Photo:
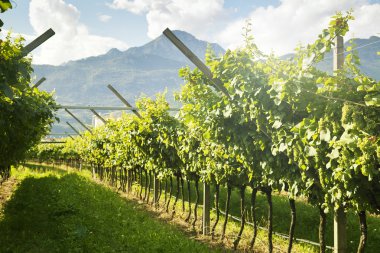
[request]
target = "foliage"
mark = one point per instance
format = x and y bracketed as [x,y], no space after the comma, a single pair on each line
[26,113]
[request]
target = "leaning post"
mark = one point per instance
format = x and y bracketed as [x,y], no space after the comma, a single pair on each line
[74,129]
[195,60]
[43,79]
[98,115]
[37,42]
[122,99]
[78,120]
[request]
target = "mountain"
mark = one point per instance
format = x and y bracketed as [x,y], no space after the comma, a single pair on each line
[147,70]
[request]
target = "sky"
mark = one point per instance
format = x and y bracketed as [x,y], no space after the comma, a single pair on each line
[92,27]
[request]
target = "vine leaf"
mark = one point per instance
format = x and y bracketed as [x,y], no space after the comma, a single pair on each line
[5,5]
[7,90]
[325,135]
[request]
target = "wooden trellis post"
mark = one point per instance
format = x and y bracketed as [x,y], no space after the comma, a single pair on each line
[59,134]
[156,184]
[43,79]
[98,115]
[123,100]
[104,108]
[74,129]
[206,209]
[128,183]
[80,122]
[195,60]
[340,220]
[37,42]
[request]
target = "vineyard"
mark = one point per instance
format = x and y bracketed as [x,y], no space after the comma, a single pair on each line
[249,122]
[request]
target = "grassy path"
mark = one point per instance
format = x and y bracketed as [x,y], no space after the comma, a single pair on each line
[55,211]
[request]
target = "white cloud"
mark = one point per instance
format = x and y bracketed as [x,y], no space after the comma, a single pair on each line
[135,6]
[104,18]
[280,28]
[197,16]
[72,40]
[292,22]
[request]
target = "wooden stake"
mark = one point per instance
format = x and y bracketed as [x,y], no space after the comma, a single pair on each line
[123,99]
[195,60]
[43,79]
[206,209]
[37,42]
[52,142]
[75,130]
[340,220]
[156,183]
[80,122]
[58,134]
[98,115]
[103,108]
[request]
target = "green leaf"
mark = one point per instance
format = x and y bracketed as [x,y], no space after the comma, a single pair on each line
[7,90]
[310,151]
[227,112]
[277,124]
[364,170]
[325,135]
[334,154]
[5,5]
[207,135]
[282,147]
[372,100]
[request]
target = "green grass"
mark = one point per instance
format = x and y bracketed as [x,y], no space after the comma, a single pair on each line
[55,211]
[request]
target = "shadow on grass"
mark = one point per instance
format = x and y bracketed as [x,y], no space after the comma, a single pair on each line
[72,214]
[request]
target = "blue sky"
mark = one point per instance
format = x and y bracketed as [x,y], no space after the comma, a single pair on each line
[92,27]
